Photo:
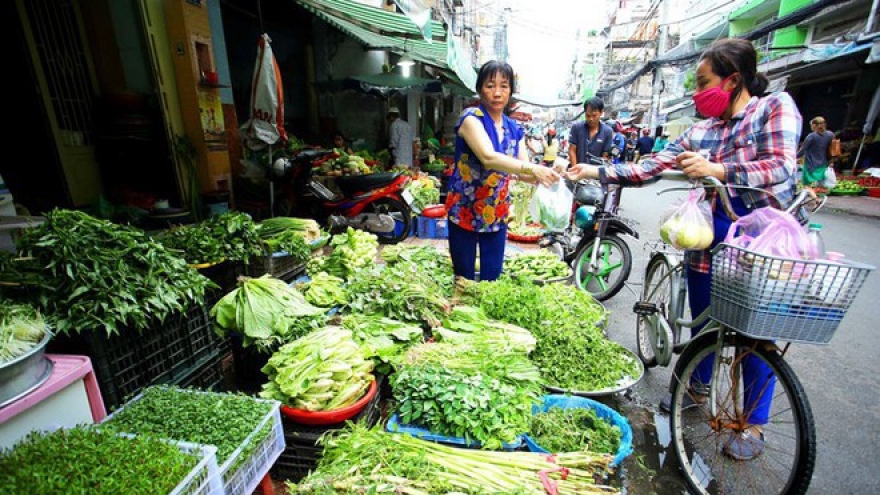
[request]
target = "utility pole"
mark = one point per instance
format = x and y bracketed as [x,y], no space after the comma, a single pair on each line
[658,78]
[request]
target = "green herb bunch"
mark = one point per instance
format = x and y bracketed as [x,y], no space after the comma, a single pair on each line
[194,243]
[472,406]
[383,339]
[107,275]
[401,292]
[572,429]
[428,260]
[237,234]
[358,460]
[84,460]
[572,351]
[222,420]
[352,251]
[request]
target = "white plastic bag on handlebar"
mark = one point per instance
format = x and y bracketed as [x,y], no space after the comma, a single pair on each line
[551,206]
[688,223]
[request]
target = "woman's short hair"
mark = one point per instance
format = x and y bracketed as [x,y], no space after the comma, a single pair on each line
[732,55]
[493,67]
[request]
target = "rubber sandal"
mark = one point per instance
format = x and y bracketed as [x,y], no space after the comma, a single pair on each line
[744,446]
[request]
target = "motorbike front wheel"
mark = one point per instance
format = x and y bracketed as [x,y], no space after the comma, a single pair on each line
[402,215]
[614,262]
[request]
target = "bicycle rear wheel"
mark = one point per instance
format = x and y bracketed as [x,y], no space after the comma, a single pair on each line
[700,437]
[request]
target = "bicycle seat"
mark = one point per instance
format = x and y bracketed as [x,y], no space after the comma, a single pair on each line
[352,184]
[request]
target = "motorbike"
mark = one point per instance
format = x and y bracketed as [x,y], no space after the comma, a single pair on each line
[372,202]
[592,244]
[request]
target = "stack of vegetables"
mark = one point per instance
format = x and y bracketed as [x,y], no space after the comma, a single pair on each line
[321,371]
[572,351]
[401,291]
[477,383]
[325,290]
[520,222]
[425,191]
[344,164]
[351,251]
[362,460]
[21,329]
[538,266]
[382,338]
[96,274]
[266,312]
[434,265]
[290,235]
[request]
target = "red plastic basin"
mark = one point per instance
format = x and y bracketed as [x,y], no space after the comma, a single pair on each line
[330,417]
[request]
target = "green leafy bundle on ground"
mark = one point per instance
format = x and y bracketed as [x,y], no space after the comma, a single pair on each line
[573,429]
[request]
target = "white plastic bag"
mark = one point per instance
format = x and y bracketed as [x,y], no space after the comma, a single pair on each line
[551,206]
[830,178]
[688,223]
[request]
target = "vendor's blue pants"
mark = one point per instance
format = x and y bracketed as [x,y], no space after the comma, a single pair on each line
[758,380]
[463,250]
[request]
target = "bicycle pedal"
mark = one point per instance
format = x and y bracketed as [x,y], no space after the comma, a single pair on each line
[644,308]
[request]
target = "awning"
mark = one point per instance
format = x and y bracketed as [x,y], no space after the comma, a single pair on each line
[678,106]
[379,28]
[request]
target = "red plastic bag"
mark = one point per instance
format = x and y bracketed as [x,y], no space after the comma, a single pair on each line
[688,224]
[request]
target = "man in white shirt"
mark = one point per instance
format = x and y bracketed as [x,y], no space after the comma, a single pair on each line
[400,138]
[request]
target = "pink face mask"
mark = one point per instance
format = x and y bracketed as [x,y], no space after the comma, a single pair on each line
[713,102]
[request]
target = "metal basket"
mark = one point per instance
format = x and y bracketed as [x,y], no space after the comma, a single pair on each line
[772,298]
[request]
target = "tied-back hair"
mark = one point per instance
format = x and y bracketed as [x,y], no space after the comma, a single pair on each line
[737,55]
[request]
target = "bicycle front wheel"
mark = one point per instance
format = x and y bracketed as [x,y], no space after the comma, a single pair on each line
[704,438]
[614,263]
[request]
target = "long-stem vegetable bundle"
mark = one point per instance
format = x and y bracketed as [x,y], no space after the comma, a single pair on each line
[362,460]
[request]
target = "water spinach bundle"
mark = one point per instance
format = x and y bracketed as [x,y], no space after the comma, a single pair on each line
[105,275]
[358,460]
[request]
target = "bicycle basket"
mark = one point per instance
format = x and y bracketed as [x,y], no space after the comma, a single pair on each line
[773,298]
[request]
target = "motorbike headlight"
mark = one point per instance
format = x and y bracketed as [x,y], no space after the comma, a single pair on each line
[583,217]
[280,167]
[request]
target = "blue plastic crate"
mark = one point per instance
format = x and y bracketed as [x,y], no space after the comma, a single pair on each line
[433,228]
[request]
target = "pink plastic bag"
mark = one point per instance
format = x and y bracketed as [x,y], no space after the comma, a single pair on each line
[771,232]
[688,224]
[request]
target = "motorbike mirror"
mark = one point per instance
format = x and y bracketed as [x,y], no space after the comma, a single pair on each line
[281,166]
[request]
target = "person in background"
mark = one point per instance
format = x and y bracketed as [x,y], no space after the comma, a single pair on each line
[402,142]
[618,143]
[661,142]
[815,152]
[340,143]
[644,145]
[631,143]
[551,148]
[590,136]
[489,151]
[747,139]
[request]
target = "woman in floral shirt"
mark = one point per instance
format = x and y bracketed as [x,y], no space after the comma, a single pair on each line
[489,149]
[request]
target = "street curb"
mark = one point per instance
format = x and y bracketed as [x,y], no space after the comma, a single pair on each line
[845,211]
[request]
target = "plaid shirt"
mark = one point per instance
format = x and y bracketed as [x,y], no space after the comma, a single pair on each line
[758,147]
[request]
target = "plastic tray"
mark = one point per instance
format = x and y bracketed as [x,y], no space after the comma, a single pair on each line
[602,411]
[622,386]
[205,477]
[238,474]
[393,425]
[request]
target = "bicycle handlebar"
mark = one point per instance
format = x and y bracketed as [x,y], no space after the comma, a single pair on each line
[801,200]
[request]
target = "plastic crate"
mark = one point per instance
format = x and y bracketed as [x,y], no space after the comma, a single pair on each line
[433,228]
[243,470]
[302,452]
[772,298]
[207,374]
[204,479]
[278,265]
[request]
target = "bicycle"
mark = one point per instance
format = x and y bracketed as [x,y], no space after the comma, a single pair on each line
[752,307]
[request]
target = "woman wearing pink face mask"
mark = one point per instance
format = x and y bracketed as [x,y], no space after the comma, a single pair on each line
[746,139]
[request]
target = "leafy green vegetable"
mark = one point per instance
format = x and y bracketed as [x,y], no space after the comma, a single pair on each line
[401,292]
[104,275]
[267,311]
[87,460]
[325,290]
[569,430]
[352,251]
[358,460]
[21,329]
[222,420]
[382,338]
